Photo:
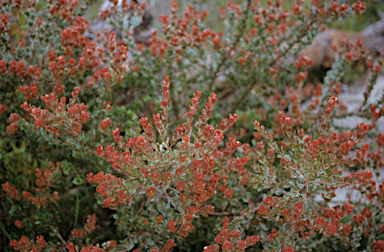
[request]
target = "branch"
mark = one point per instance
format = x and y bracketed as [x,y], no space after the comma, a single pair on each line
[57,234]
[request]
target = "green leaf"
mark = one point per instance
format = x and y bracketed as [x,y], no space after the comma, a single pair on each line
[66,166]
[78,181]
[121,247]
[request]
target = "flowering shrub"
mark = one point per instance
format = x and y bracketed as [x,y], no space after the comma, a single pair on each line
[263,178]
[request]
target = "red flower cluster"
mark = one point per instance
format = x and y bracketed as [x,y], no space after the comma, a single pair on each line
[230,240]
[71,37]
[3,109]
[26,245]
[358,7]
[30,92]
[64,118]
[195,184]
[4,20]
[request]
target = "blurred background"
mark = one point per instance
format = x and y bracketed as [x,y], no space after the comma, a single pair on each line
[373,12]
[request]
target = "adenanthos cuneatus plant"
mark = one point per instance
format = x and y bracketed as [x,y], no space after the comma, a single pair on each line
[181,177]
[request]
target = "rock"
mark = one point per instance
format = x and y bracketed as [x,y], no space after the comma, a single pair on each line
[142,32]
[323,50]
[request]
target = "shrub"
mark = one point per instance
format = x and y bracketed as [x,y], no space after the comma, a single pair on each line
[262,178]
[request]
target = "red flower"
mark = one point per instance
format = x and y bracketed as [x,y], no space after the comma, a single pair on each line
[268,200]
[227,246]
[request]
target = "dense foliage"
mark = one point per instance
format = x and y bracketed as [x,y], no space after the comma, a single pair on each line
[196,140]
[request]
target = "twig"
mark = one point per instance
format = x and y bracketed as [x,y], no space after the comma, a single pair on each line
[57,234]
[77,210]
[235,213]
[368,90]
[290,47]
[225,213]
[227,54]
